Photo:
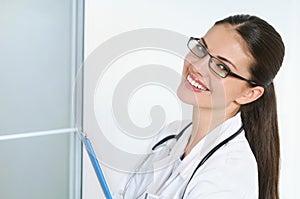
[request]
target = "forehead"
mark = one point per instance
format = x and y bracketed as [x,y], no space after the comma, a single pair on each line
[224,41]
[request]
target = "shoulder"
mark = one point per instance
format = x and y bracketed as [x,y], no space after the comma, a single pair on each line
[230,173]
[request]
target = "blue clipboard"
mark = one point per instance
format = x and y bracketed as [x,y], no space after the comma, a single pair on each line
[96,165]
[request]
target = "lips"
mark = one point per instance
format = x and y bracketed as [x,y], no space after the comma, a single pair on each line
[196,84]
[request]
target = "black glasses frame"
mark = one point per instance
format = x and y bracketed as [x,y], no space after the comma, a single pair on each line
[224,66]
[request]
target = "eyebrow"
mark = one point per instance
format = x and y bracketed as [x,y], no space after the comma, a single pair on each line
[219,57]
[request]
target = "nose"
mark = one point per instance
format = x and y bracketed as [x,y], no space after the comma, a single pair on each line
[198,65]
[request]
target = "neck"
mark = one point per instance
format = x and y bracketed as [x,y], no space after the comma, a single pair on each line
[204,121]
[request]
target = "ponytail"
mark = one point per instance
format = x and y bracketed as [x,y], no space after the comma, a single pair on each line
[260,117]
[261,127]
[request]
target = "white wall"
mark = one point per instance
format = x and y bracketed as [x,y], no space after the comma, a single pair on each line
[105,19]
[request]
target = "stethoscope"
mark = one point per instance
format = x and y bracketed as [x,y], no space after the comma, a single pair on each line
[205,158]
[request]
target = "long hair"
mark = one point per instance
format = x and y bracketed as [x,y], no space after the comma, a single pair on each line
[260,117]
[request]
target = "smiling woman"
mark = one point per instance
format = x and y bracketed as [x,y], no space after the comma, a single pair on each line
[231,147]
[252,48]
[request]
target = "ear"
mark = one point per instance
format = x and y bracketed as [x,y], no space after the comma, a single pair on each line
[250,95]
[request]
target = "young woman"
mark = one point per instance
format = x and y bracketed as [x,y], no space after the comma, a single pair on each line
[230,150]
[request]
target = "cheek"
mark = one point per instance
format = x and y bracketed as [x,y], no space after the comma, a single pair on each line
[233,90]
[225,92]
[219,93]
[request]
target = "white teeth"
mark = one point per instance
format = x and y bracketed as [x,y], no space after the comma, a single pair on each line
[195,84]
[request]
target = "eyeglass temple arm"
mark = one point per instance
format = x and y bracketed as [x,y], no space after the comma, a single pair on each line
[252,83]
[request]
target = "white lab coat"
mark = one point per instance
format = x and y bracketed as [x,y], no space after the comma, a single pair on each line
[230,173]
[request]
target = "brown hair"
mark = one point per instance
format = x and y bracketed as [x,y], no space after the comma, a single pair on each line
[260,117]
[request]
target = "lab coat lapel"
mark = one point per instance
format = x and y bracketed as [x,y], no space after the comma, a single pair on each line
[163,167]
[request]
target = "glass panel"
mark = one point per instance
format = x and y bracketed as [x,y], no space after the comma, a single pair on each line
[35,73]
[41,43]
[35,167]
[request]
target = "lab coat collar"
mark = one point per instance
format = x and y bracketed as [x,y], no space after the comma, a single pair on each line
[176,147]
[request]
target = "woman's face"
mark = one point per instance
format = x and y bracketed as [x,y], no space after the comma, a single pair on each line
[224,43]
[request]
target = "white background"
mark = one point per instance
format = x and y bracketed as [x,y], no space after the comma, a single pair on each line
[105,19]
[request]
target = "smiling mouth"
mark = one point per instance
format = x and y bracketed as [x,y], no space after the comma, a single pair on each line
[199,86]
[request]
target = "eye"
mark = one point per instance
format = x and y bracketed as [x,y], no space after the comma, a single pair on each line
[218,67]
[200,50]
[222,67]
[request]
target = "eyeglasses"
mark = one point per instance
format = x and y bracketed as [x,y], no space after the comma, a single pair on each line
[214,63]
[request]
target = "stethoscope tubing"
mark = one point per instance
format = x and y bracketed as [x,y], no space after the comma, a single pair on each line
[203,160]
[210,153]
